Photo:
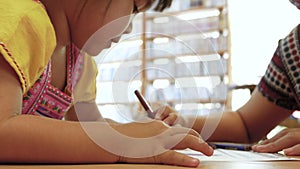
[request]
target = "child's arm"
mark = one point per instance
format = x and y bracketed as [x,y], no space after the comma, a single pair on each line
[27,138]
[34,139]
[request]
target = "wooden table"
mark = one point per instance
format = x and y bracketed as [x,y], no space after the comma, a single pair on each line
[203,165]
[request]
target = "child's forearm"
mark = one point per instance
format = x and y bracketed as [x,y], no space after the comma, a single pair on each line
[32,139]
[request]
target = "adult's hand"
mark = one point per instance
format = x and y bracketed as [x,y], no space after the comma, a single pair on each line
[287,141]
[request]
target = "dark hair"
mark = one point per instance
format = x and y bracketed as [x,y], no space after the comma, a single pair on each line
[162,4]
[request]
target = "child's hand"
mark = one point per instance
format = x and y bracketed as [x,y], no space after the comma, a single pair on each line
[155,142]
[167,114]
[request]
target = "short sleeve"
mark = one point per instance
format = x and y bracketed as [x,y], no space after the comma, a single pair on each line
[27,39]
[281,82]
[85,88]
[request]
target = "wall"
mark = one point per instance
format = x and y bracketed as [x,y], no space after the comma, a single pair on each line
[256,27]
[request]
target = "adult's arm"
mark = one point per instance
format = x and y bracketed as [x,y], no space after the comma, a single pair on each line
[249,123]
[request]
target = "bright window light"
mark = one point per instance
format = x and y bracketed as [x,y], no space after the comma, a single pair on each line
[188,59]
[214,34]
[136,84]
[161,40]
[296,114]
[161,61]
[198,14]
[196,58]
[178,107]
[161,20]
[132,43]
[161,83]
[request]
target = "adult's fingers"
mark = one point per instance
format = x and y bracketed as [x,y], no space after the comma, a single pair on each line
[277,145]
[276,137]
[292,151]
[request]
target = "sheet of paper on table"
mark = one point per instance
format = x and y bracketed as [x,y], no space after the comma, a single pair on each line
[236,155]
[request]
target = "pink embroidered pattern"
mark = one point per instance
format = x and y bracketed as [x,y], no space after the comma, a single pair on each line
[43,99]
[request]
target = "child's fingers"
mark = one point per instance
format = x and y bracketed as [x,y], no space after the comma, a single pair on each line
[171,119]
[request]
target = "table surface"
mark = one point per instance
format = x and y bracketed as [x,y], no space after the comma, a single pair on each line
[203,165]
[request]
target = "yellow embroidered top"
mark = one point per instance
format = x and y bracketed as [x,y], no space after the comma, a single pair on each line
[27,41]
[27,38]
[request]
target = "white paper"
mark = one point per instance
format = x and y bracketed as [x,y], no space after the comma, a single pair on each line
[236,155]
